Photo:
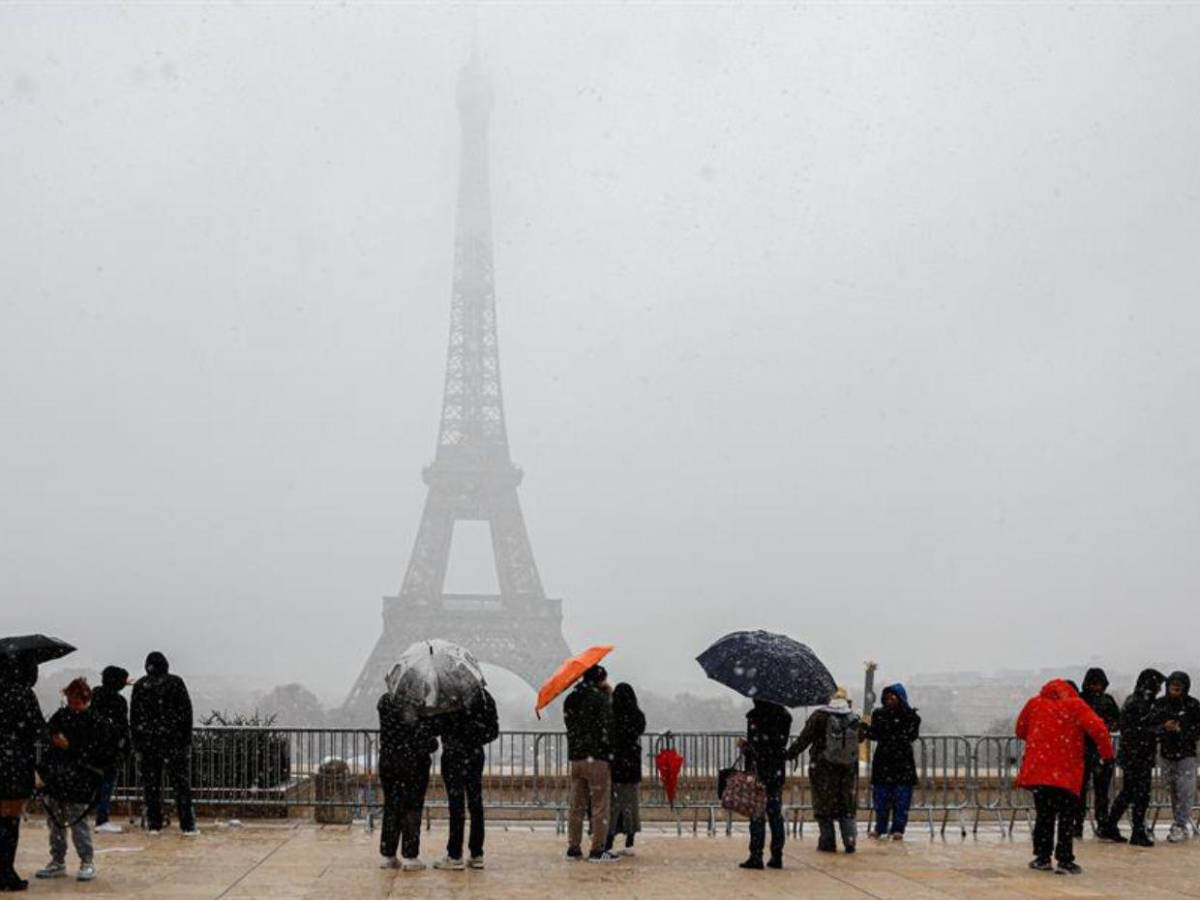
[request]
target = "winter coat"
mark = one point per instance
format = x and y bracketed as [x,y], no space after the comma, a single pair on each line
[587,713]
[72,774]
[21,727]
[109,705]
[894,731]
[628,728]
[768,727]
[833,785]
[467,730]
[1053,726]
[1138,739]
[407,741]
[160,711]
[1103,705]
[1179,744]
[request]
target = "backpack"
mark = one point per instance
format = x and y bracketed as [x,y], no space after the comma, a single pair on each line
[841,740]
[486,722]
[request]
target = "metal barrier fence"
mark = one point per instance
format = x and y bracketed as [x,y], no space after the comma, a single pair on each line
[334,772]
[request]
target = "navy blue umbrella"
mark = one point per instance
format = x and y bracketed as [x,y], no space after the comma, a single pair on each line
[766,666]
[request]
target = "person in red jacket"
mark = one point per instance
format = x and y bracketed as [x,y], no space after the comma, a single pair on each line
[1053,726]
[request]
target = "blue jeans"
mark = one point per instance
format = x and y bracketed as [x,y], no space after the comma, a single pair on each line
[891,802]
[107,785]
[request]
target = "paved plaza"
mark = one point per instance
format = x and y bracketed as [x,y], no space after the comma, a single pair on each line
[287,860]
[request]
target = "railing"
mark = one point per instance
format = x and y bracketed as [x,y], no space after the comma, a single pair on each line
[275,771]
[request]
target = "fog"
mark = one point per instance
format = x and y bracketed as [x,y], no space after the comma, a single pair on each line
[874,325]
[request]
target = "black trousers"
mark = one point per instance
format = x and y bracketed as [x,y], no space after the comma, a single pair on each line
[1098,776]
[176,769]
[774,816]
[10,833]
[1135,793]
[462,773]
[1056,810]
[403,801]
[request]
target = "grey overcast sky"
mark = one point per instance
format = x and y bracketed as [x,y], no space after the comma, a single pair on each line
[873,324]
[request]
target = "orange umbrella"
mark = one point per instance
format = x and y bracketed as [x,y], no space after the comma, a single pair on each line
[568,673]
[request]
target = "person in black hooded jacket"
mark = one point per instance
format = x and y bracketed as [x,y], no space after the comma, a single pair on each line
[464,733]
[1136,757]
[629,724]
[1176,719]
[109,705]
[768,726]
[407,742]
[1097,774]
[894,726]
[22,726]
[160,718]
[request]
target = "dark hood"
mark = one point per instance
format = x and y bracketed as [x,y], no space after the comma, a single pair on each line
[18,669]
[1150,680]
[1181,678]
[156,664]
[1095,676]
[114,677]
[898,690]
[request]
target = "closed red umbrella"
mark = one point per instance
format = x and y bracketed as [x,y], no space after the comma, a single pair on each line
[669,764]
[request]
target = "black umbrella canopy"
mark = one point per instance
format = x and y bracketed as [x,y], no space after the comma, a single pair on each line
[767,666]
[37,647]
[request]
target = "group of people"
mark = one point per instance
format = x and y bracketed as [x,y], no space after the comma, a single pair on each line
[1069,749]
[832,735]
[72,760]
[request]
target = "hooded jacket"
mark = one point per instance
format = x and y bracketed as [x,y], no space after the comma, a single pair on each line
[1053,726]
[629,723]
[1138,739]
[73,773]
[160,713]
[1185,710]
[1102,704]
[469,730]
[587,714]
[21,727]
[768,726]
[894,731]
[111,707]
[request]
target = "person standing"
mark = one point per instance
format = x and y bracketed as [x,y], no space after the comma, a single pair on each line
[71,768]
[464,734]
[160,718]
[1138,749]
[1176,717]
[109,706]
[22,726]
[833,732]
[1097,774]
[629,724]
[406,745]
[893,727]
[768,726]
[587,714]
[1053,726]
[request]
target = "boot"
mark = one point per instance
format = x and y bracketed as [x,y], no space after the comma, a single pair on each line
[826,841]
[1110,831]
[1141,838]
[10,829]
[754,861]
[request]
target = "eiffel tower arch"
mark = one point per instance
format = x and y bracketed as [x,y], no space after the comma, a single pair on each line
[472,477]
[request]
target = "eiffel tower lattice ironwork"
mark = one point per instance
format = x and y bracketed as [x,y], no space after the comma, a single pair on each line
[472,477]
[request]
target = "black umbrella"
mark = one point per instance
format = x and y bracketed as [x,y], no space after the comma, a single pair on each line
[766,666]
[37,647]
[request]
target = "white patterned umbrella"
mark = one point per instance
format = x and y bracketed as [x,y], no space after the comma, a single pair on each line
[435,676]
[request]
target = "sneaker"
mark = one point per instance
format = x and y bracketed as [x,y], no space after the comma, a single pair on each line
[1041,865]
[109,828]
[52,870]
[191,832]
[874,835]
[850,847]
[389,862]
[775,862]
[897,835]
[87,872]
[475,862]
[154,832]
[754,862]
[450,863]
[411,865]
[628,851]
[1141,839]
[574,854]
[1177,835]
[1068,869]
[604,856]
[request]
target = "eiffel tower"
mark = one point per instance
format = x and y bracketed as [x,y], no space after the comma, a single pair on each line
[472,477]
